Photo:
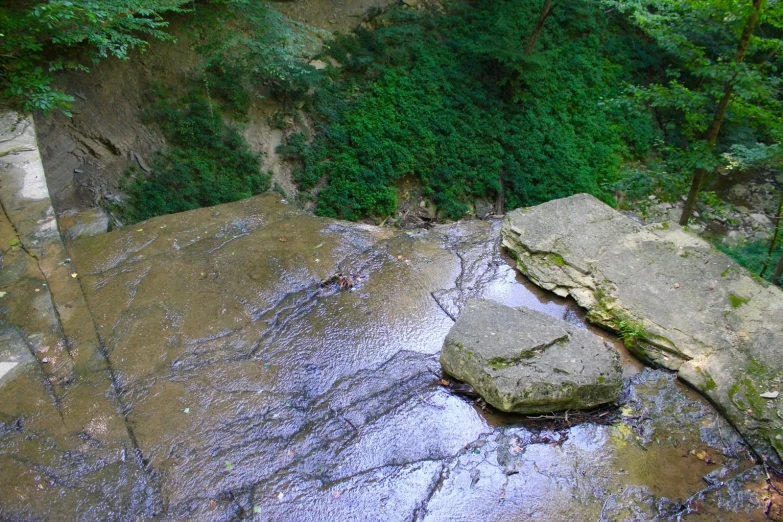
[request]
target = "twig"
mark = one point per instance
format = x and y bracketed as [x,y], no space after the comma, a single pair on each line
[685,506]
[443,308]
[425,401]
[769,479]
[351,424]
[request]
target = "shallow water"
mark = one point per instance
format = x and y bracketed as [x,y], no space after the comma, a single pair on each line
[255,388]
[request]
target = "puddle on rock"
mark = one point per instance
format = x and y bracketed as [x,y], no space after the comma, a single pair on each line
[258,389]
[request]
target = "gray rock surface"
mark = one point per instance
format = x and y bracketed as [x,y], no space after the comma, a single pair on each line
[83,223]
[256,389]
[231,378]
[677,302]
[524,361]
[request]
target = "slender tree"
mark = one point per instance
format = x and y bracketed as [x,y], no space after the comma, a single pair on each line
[723,68]
[546,10]
[775,235]
[720,113]
[776,277]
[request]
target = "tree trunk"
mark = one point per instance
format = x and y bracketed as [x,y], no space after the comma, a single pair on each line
[546,10]
[720,113]
[500,198]
[776,233]
[778,271]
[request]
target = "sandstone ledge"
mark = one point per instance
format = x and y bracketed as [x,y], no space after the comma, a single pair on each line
[677,302]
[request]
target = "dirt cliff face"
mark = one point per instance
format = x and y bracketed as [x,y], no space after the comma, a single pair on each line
[85,156]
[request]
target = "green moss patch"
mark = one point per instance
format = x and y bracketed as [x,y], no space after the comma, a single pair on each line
[737,300]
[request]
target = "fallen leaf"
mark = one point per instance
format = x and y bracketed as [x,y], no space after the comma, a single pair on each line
[74,275]
[14,242]
[770,395]
[140,230]
[701,455]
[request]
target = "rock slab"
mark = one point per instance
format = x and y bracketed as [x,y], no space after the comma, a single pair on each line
[524,361]
[677,302]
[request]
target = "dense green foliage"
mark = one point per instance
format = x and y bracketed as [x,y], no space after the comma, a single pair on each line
[706,63]
[249,51]
[615,99]
[207,163]
[246,50]
[428,95]
[36,39]
[754,256]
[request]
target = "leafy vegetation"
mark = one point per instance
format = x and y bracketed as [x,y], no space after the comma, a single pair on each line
[207,163]
[36,39]
[518,102]
[429,95]
[754,256]
[250,50]
[721,90]
[632,332]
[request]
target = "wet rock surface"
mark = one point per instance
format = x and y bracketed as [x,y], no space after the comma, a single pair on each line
[679,303]
[66,452]
[270,365]
[84,223]
[524,361]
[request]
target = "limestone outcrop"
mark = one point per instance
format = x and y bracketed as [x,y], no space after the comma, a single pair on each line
[254,361]
[524,361]
[677,302]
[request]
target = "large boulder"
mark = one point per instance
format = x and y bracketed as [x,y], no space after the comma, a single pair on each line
[524,361]
[677,302]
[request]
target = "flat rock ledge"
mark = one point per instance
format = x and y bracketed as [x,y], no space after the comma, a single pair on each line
[677,302]
[524,361]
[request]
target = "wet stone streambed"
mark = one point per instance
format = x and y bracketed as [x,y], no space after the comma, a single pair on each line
[271,365]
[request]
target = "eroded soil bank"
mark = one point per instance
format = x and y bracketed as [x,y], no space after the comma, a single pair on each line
[270,365]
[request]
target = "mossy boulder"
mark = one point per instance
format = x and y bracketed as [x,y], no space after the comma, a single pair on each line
[677,302]
[524,361]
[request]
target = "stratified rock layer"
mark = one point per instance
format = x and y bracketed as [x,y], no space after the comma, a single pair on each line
[524,361]
[251,361]
[677,302]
